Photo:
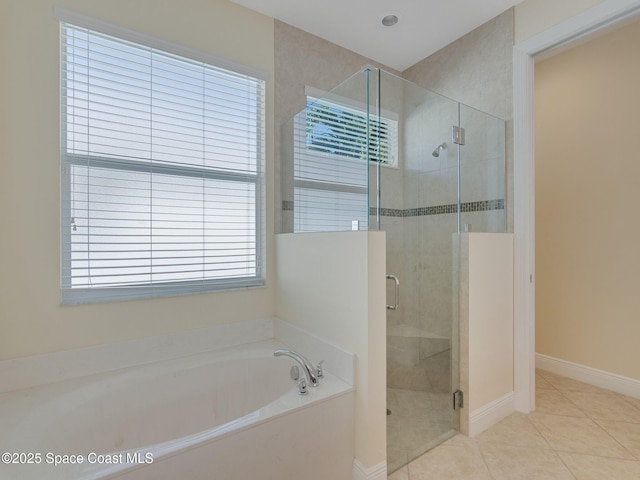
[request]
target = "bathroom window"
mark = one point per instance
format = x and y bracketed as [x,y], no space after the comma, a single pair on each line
[162,169]
[341,130]
[331,172]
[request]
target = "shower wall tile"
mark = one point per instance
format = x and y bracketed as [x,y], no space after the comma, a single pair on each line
[433,265]
[429,346]
[413,151]
[435,300]
[411,267]
[477,70]
[412,187]
[431,189]
[428,188]
[489,221]
[482,180]
[447,186]
[429,126]
[392,194]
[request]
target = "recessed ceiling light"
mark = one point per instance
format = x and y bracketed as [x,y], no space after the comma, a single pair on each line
[389,20]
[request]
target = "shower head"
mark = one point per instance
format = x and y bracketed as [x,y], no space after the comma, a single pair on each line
[439,148]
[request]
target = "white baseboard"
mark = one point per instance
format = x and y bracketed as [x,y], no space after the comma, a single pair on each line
[490,414]
[592,376]
[377,472]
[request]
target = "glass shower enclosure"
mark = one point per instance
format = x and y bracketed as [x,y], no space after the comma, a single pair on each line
[379,152]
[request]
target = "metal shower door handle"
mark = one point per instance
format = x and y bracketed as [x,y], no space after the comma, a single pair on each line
[397,299]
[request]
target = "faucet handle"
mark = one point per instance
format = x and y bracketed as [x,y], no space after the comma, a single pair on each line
[302,387]
[319,371]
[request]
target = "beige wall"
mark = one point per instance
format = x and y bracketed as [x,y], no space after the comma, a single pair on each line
[31,319]
[333,285]
[587,171]
[535,16]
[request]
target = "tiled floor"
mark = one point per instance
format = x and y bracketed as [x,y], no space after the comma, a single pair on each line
[578,432]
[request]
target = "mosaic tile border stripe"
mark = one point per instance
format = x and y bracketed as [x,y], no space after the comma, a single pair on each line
[287,205]
[479,206]
[483,205]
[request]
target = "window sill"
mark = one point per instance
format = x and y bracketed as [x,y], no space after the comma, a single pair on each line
[78,296]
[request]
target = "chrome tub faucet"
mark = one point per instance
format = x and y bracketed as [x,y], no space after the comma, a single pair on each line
[311,373]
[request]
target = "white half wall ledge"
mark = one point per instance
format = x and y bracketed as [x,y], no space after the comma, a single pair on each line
[377,472]
[25,372]
[592,376]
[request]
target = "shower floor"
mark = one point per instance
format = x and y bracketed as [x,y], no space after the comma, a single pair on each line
[418,422]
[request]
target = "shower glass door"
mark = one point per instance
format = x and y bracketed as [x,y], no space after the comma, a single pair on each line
[378,152]
[419,198]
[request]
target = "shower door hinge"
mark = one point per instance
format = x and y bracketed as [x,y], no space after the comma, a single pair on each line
[458,399]
[457,135]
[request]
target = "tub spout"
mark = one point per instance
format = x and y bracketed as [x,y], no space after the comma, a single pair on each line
[307,366]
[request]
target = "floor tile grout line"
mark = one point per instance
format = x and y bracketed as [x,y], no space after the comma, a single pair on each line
[561,415]
[540,433]
[636,457]
[600,456]
[603,457]
[615,440]
[565,465]
[477,444]
[574,404]
[552,385]
[554,452]
[604,393]
[624,399]
[551,375]
[595,421]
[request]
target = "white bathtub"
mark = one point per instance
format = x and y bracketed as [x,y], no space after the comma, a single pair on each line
[229,414]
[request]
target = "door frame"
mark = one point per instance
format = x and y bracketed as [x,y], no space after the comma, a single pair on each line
[607,15]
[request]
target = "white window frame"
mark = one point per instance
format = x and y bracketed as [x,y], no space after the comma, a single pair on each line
[72,295]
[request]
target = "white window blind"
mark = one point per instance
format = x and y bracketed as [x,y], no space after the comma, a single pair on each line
[162,160]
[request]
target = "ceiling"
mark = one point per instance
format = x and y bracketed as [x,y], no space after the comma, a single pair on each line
[424,26]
